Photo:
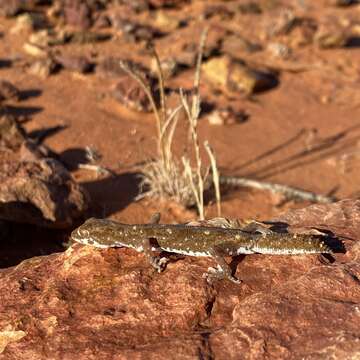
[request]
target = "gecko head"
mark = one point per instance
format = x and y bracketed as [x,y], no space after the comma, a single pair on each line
[101,233]
[81,236]
[84,234]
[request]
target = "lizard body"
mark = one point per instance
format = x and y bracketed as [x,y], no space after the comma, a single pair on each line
[215,242]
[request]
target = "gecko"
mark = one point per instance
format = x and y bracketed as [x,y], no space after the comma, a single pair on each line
[184,239]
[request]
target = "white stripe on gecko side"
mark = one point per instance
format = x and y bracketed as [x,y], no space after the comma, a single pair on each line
[245,250]
[273,251]
[90,241]
[187,252]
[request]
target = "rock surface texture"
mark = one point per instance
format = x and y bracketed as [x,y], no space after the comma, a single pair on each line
[40,192]
[110,304]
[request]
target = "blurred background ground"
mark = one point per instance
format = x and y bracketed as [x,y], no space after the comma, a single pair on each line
[279,89]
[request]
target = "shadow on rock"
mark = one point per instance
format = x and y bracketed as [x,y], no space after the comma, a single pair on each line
[71,158]
[353,42]
[41,134]
[24,241]
[4,63]
[30,93]
[21,111]
[113,193]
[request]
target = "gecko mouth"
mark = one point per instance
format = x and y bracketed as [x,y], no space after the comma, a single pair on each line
[84,237]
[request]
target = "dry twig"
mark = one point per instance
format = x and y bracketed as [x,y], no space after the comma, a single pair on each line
[288,191]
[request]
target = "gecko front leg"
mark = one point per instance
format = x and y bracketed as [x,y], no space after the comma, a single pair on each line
[223,270]
[156,262]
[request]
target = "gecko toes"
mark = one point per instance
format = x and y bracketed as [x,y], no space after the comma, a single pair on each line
[235,280]
[163,261]
[159,263]
[212,270]
[217,274]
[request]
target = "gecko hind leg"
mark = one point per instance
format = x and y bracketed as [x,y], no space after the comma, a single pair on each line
[156,262]
[223,270]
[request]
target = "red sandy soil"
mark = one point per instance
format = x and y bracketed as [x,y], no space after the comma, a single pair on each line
[125,138]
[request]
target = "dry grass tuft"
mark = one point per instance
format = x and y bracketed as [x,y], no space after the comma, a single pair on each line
[167,177]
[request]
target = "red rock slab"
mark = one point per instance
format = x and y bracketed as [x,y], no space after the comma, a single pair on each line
[40,192]
[35,188]
[315,316]
[88,303]
[91,304]
[343,218]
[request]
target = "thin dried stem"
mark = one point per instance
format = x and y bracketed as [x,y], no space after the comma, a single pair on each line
[163,140]
[196,96]
[170,136]
[160,81]
[195,189]
[198,162]
[215,176]
[288,191]
[169,120]
[136,76]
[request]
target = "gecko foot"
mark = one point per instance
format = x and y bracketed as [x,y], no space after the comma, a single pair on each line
[218,274]
[159,263]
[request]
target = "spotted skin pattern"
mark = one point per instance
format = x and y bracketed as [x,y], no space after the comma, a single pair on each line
[215,242]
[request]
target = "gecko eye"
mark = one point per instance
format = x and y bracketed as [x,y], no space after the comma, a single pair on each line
[80,235]
[84,233]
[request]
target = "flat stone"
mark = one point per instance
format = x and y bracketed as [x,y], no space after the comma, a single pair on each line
[133,31]
[235,45]
[35,51]
[331,34]
[183,46]
[43,67]
[165,22]
[227,116]
[8,91]
[75,63]
[12,135]
[234,76]
[87,37]
[130,94]
[109,67]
